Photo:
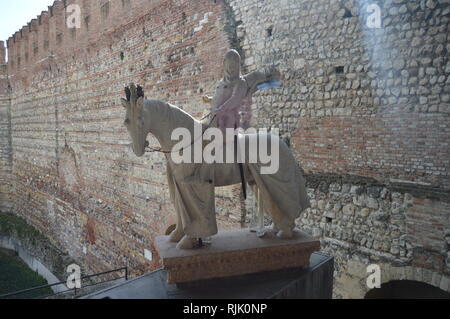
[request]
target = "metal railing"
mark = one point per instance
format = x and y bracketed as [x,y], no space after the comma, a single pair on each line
[74,290]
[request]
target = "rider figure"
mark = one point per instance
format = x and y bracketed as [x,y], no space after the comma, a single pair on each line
[233,96]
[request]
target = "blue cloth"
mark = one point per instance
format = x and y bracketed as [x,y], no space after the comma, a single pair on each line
[269,85]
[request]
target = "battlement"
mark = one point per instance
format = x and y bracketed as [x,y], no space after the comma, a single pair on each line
[2,52]
[49,33]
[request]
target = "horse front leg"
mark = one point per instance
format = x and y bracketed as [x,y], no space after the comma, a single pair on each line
[187,243]
[178,234]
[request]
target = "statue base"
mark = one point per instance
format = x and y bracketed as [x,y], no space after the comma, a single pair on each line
[312,282]
[234,253]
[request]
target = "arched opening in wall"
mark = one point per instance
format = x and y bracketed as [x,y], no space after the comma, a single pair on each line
[407,289]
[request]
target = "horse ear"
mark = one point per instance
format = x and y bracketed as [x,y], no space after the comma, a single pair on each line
[128,93]
[125,103]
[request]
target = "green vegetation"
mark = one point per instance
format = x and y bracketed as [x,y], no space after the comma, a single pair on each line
[15,275]
[12,225]
[31,239]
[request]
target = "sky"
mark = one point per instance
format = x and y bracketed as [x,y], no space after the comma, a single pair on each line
[14,14]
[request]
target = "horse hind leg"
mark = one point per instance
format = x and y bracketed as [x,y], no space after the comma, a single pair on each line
[282,225]
[288,233]
[259,209]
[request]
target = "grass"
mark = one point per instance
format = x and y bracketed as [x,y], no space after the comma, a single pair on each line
[31,239]
[15,275]
[13,225]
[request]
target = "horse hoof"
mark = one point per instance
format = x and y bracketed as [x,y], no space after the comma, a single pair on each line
[285,234]
[176,236]
[275,229]
[187,243]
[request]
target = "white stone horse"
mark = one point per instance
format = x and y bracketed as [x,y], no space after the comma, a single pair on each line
[282,194]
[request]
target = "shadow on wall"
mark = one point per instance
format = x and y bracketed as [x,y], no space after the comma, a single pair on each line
[407,289]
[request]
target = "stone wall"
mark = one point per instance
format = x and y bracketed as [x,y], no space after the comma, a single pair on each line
[354,96]
[362,222]
[366,112]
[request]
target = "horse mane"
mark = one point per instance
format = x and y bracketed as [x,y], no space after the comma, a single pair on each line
[180,114]
[166,112]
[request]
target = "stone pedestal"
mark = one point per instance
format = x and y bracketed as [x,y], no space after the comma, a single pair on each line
[312,282]
[235,253]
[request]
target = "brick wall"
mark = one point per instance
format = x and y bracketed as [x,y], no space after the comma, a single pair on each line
[76,178]
[5,136]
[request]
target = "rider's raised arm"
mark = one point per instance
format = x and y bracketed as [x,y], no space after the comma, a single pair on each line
[256,78]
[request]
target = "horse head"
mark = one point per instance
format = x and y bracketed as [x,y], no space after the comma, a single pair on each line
[134,120]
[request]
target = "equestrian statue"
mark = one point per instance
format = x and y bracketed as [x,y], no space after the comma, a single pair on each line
[281,193]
